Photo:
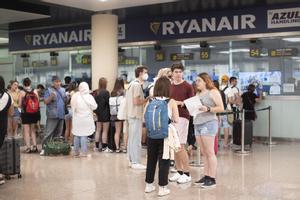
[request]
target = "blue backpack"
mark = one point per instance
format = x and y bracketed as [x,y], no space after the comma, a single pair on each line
[157,119]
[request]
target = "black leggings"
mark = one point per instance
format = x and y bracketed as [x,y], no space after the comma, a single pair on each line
[155,152]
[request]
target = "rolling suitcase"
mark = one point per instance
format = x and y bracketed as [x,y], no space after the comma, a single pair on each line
[237,132]
[10,162]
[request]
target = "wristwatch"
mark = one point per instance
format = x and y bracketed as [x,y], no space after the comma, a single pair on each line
[208,109]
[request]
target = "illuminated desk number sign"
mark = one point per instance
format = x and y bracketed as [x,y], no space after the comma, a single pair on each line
[204,54]
[159,56]
[255,52]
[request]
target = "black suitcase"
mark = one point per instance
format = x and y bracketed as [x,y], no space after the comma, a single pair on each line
[10,162]
[237,132]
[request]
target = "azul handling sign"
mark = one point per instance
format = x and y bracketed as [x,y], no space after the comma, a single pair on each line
[281,18]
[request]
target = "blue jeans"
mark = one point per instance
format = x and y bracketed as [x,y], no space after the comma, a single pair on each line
[80,142]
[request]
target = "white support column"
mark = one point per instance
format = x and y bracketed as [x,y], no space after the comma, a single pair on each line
[104,49]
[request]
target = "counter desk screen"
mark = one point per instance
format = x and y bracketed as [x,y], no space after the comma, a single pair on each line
[269,82]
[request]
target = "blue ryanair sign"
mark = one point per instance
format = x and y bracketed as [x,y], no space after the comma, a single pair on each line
[211,24]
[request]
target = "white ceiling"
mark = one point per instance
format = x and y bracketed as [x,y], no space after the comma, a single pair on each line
[98,5]
[9,16]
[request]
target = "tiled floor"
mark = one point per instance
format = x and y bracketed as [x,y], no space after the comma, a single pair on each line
[267,173]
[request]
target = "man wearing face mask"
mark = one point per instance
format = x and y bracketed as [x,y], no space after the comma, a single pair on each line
[135,104]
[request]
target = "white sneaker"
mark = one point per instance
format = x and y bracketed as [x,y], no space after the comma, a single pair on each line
[184,179]
[42,153]
[108,150]
[163,191]
[138,166]
[2,179]
[149,187]
[175,177]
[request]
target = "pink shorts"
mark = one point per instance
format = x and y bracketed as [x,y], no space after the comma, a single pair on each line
[182,128]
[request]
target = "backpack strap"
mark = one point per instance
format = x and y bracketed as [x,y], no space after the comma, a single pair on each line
[225,88]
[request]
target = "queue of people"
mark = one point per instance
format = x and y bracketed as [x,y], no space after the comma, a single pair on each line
[76,113]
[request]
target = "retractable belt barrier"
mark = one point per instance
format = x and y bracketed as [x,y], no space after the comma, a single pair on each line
[237,112]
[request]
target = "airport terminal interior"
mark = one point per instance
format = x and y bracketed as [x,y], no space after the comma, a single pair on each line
[67,52]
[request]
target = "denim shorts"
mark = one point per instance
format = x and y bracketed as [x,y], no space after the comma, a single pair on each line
[207,129]
[17,114]
[69,115]
[224,121]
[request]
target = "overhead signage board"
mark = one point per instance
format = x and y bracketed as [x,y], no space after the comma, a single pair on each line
[198,25]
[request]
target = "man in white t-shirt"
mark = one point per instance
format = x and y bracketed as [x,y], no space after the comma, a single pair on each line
[234,96]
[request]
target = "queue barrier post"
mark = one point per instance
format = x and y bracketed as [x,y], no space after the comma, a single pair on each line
[242,151]
[269,141]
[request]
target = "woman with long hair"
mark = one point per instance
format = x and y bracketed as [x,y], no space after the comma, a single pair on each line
[156,147]
[114,101]
[28,102]
[14,120]
[103,115]
[206,127]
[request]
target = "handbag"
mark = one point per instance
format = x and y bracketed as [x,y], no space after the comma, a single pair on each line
[122,112]
[57,146]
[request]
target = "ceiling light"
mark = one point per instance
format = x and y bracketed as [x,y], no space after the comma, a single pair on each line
[235,51]
[194,46]
[294,39]
[3,40]
[102,0]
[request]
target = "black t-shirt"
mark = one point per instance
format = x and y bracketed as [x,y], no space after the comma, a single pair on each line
[249,100]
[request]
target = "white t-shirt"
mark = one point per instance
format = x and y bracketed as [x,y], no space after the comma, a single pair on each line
[3,100]
[233,92]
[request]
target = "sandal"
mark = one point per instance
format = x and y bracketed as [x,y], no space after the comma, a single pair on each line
[35,149]
[118,151]
[28,150]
